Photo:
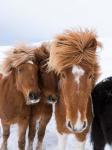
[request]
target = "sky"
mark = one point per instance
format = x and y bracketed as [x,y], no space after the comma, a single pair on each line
[38,20]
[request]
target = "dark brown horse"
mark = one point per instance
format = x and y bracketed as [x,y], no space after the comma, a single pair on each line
[73,57]
[18,89]
[42,111]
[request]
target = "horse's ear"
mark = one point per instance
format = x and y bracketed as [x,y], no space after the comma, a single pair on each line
[93,44]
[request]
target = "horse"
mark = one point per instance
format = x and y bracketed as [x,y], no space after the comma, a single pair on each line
[41,112]
[73,57]
[18,90]
[101,132]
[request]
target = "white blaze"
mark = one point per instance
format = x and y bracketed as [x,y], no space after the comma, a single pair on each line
[79,123]
[77,72]
[30,62]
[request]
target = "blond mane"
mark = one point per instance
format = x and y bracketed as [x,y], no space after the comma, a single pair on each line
[73,47]
[17,56]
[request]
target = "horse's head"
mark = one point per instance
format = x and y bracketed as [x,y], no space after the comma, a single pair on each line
[73,56]
[49,86]
[21,62]
[26,76]
[48,80]
[76,84]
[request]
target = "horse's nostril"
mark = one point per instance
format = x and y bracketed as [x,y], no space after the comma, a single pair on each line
[53,98]
[84,124]
[57,97]
[31,95]
[69,124]
[34,96]
[49,98]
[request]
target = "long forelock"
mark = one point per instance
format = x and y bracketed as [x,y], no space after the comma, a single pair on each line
[16,57]
[42,54]
[73,48]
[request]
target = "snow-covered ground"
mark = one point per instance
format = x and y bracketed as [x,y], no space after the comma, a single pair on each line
[50,140]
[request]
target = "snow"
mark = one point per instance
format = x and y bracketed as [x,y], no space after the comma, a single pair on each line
[50,140]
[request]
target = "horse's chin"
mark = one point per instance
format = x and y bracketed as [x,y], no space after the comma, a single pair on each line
[32,102]
[77,131]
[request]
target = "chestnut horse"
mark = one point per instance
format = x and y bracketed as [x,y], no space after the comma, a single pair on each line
[18,89]
[73,57]
[41,113]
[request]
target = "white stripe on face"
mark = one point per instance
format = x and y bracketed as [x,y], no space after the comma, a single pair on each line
[79,124]
[77,72]
[30,62]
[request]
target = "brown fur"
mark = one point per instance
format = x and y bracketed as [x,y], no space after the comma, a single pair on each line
[74,48]
[14,88]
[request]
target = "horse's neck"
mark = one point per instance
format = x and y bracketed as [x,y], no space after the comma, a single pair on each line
[9,81]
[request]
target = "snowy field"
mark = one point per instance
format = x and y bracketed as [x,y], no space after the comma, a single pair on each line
[50,140]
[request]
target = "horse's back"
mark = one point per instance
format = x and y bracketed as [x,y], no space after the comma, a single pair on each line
[102,97]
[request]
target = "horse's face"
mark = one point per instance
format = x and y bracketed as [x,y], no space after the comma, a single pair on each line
[49,86]
[76,85]
[27,82]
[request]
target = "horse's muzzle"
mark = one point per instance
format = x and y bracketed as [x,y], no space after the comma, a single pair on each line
[53,99]
[78,128]
[33,98]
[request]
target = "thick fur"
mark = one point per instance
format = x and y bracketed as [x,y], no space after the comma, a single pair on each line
[102,123]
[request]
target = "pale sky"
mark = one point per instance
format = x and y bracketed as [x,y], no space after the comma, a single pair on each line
[37,20]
